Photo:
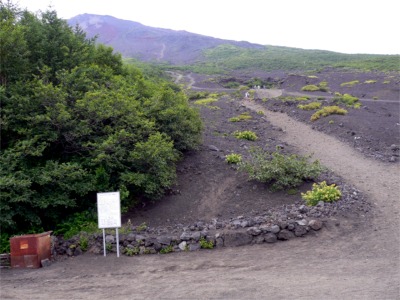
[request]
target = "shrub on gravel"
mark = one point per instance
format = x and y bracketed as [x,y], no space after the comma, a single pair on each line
[310,88]
[346,99]
[310,106]
[233,158]
[245,135]
[242,117]
[328,110]
[279,170]
[321,192]
[349,83]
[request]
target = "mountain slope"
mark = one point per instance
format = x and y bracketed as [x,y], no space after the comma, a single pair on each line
[146,43]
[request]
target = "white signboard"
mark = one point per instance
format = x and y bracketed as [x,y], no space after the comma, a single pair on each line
[109,210]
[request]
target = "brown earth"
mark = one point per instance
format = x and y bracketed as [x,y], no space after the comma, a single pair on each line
[355,256]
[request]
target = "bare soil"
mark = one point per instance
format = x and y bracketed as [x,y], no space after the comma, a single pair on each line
[355,256]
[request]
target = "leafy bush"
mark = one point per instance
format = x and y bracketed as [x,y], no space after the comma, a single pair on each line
[245,135]
[369,81]
[84,243]
[205,101]
[310,88]
[279,170]
[328,110]
[349,83]
[322,192]
[131,251]
[76,121]
[204,244]
[303,98]
[346,99]
[81,221]
[233,158]
[310,106]
[167,249]
[242,117]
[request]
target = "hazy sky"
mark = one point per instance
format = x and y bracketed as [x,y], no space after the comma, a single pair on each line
[348,26]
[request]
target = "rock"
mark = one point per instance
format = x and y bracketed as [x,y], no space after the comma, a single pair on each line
[259,239]
[270,237]
[131,237]
[303,209]
[164,240]
[233,239]
[182,245]
[300,231]
[78,251]
[219,242]
[315,224]
[95,249]
[253,231]
[213,148]
[194,247]
[275,229]
[394,147]
[110,238]
[186,236]
[302,222]
[45,263]
[196,236]
[392,159]
[285,235]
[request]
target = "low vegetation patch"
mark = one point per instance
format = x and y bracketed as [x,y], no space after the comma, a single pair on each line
[278,170]
[245,135]
[233,158]
[205,102]
[350,83]
[310,88]
[242,117]
[310,106]
[346,99]
[328,110]
[204,244]
[322,192]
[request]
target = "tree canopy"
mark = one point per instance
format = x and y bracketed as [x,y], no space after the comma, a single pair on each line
[76,121]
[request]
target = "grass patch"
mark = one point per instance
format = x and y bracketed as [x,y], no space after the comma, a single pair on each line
[310,88]
[205,102]
[242,117]
[303,98]
[328,110]
[233,158]
[346,99]
[349,83]
[245,135]
[322,192]
[369,81]
[310,106]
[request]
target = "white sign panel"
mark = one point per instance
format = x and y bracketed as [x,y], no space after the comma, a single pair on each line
[109,210]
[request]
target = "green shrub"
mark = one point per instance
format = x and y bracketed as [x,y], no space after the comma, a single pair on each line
[369,81]
[322,192]
[346,99]
[260,112]
[131,251]
[84,243]
[328,110]
[167,249]
[233,158]
[349,83]
[242,117]
[84,221]
[323,86]
[310,88]
[204,244]
[279,170]
[245,135]
[205,101]
[310,106]
[303,98]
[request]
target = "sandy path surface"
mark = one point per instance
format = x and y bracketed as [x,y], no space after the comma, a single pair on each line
[349,259]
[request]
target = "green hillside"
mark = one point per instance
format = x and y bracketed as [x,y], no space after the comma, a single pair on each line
[228,57]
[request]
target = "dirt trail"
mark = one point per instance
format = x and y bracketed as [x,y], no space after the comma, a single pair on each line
[336,264]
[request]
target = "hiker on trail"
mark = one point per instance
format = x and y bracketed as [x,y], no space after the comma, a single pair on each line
[247,95]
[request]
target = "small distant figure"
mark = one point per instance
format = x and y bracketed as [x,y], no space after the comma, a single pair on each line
[247,95]
[258,87]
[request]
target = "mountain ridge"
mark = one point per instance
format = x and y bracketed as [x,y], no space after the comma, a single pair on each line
[135,40]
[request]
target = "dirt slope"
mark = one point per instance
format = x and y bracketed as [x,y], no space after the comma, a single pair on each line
[349,259]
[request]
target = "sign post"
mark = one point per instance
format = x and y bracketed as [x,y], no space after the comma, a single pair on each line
[109,214]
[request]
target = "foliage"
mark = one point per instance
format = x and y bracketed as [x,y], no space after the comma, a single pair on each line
[167,249]
[278,170]
[205,101]
[328,110]
[349,83]
[310,106]
[223,58]
[310,88]
[109,247]
[204,244]
[75,121]
[233,158]
[4,242]
[80,221]
[245,135]
[141,227]
[369,81]
[131,251]
[242,117]
[346,99]
[84,243]
[322,192]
